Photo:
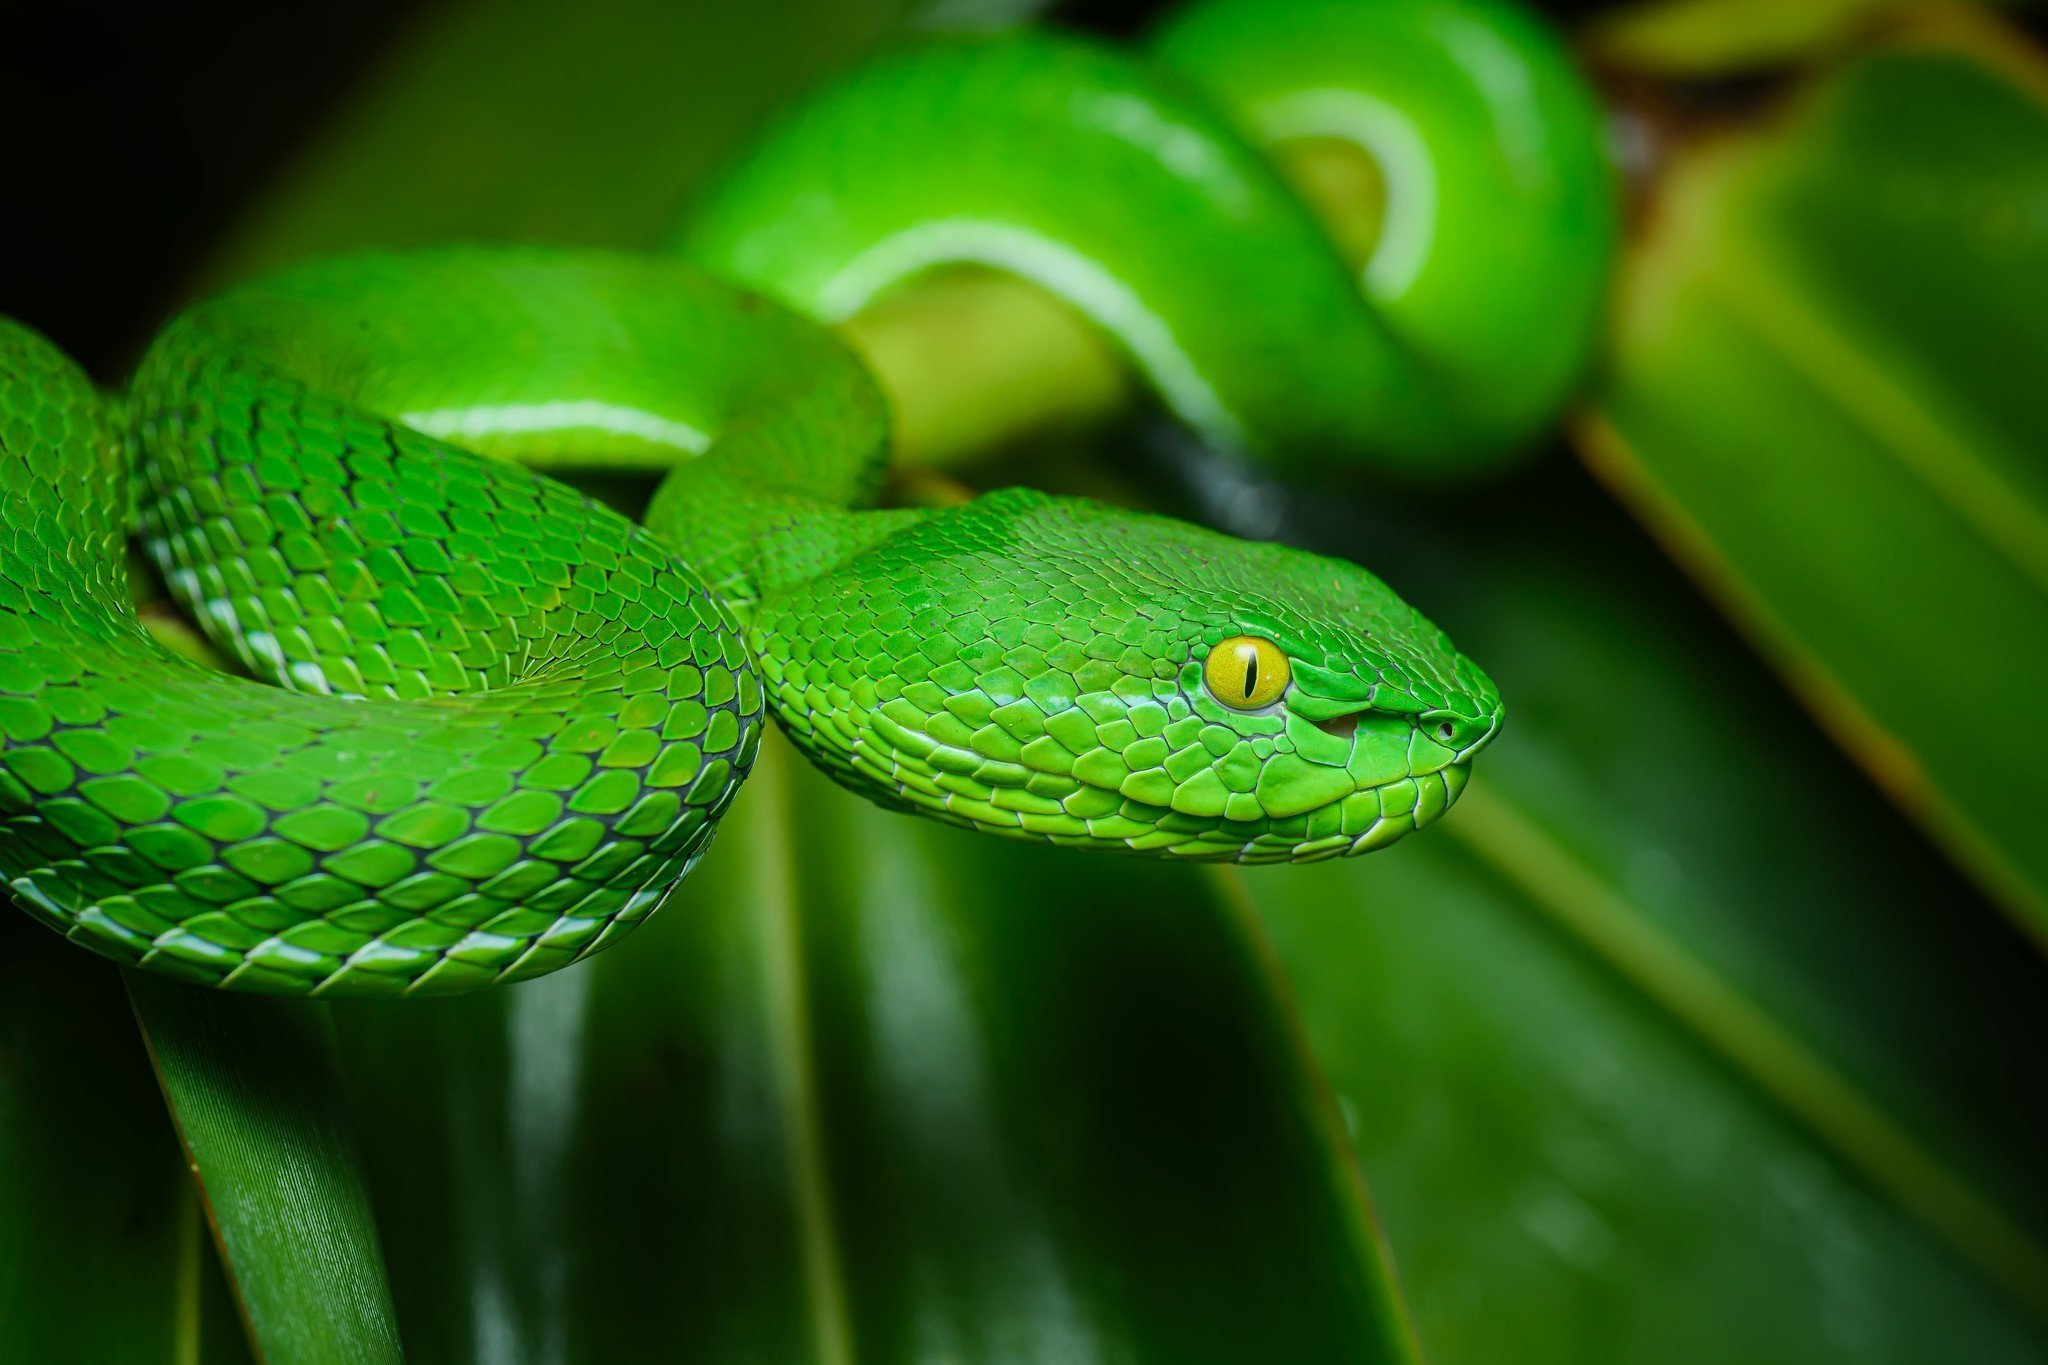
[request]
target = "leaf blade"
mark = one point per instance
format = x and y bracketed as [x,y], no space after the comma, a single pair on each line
[841,1177]
[257,1102]
[1693,893]
[99,1252]
[1817,400]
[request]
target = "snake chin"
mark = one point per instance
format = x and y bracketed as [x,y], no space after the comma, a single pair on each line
[1371,810]
[1362,822]
[1393,810]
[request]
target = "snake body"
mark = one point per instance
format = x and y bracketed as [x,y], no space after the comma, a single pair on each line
[495,723]
[504,719]
[1144,194]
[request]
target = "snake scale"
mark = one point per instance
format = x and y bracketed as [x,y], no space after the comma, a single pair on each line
[493,723]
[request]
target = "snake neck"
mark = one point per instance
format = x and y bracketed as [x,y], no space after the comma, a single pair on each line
[752,540]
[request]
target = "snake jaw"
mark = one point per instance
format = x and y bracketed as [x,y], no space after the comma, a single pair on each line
[1390,777]
[1404,765]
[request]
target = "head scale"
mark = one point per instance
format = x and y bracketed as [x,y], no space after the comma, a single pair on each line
[1052,668]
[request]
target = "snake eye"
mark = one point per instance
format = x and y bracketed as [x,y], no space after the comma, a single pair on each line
[1246,672]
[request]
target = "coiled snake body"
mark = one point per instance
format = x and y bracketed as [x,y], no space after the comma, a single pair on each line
[503,721]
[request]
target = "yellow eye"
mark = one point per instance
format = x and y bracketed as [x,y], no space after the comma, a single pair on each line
[1246,672]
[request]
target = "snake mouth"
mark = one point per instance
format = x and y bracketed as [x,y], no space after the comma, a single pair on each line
[1342,727]
[1395,809]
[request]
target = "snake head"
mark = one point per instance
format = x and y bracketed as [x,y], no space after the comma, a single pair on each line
[1055,669]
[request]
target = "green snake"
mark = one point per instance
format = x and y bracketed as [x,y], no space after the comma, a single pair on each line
[494,723]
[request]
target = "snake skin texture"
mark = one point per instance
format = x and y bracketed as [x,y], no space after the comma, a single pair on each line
[1153,202]
[512,720]
[490,724]
[1047,684]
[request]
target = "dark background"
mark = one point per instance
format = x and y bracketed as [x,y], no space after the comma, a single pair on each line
[138,131]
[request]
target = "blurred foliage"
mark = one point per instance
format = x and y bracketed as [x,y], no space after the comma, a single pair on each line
[1662,1024]
[90,1169]
[261,1114]
[1867,268]
[103,1243]
[1705,38]
[1675,1041]
[874,1089]
[533,121]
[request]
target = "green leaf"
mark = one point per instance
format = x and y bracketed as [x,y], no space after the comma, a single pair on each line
[596,1165]
[103,1253]
[871,1090]
[531,121]
[258,1104]
[1706,38]
[1824,396]
[1672,1041]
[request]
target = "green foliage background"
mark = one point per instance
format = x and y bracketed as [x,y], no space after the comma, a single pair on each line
[1678,1040]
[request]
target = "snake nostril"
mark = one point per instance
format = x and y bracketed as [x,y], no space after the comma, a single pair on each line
[1446,731]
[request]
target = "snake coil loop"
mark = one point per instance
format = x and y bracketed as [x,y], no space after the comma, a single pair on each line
[1151,196]
[503,722]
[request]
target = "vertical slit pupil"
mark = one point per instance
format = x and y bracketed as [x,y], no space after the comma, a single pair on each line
[1251,672]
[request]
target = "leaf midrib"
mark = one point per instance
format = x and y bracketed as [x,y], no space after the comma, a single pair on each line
[1970,487]
[1711,1008]
[772,851]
